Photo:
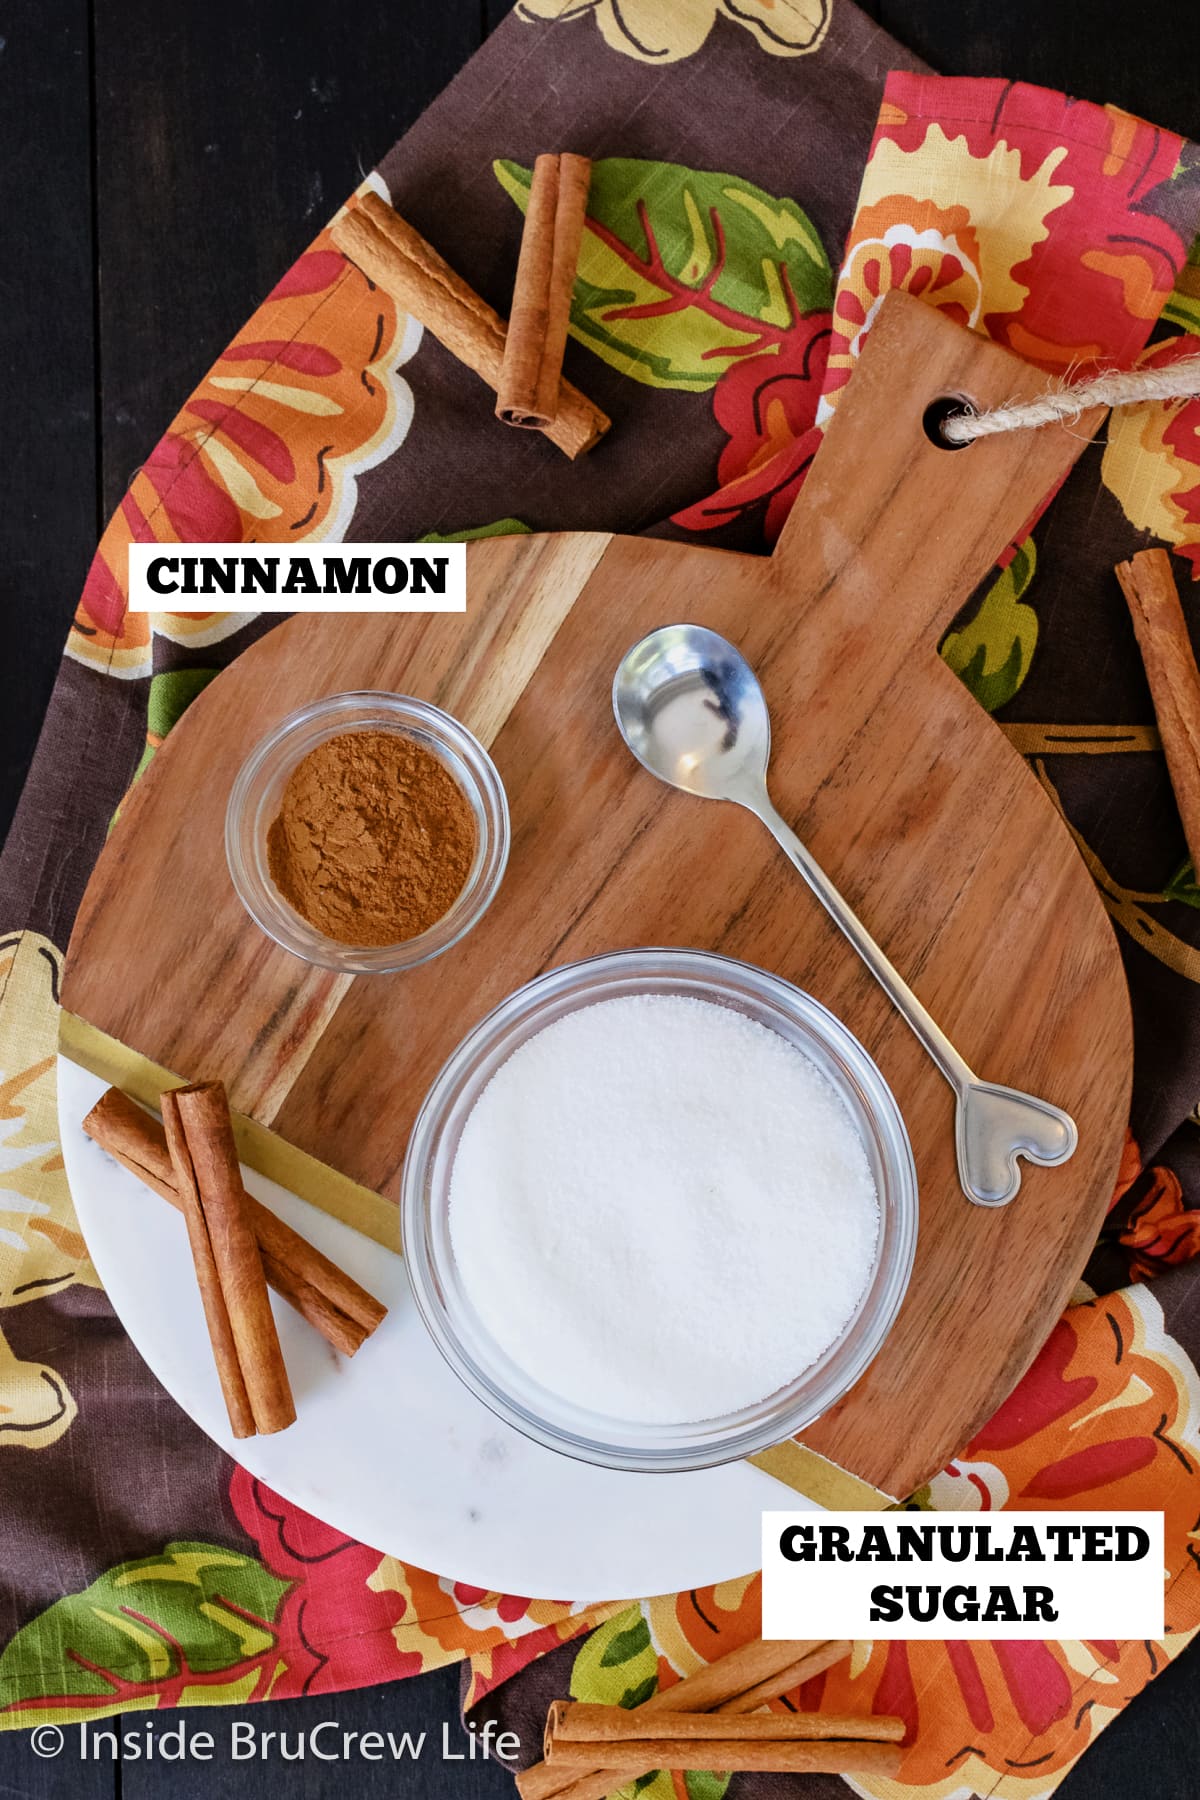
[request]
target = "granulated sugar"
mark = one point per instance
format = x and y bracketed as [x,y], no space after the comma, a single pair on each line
[662,1210]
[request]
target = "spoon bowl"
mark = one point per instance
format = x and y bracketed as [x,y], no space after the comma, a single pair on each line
[689,706]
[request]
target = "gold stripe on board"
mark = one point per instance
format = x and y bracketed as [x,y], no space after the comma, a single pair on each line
[792,1464]
[259,1148]
[814,1476]
[489,675]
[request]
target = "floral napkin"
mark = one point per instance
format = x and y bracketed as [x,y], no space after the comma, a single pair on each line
[766,170]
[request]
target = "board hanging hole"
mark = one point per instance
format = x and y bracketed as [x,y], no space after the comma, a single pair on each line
[939,412]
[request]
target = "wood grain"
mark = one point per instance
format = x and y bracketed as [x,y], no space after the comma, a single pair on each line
[901,786]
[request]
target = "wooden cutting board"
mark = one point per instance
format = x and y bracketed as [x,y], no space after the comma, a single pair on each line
[909,795]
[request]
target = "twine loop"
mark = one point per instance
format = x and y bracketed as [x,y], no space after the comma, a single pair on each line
[1063,405]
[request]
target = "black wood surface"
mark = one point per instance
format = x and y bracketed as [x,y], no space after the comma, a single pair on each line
[51,515]
[1141,57]
[226,134]
[159,167]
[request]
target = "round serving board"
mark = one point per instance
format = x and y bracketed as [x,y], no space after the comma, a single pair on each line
[388,1445]
[934,828]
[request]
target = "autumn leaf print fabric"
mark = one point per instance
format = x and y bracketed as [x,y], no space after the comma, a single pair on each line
[764,175]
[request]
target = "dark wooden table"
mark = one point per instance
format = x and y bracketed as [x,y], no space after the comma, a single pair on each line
[159,167]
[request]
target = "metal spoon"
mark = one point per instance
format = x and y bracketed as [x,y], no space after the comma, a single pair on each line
[690,708]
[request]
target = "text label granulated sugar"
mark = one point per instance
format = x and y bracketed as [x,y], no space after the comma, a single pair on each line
[662,1210]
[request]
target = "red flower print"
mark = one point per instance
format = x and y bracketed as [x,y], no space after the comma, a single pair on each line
[335,1629]
[1044,1396]
[768,406]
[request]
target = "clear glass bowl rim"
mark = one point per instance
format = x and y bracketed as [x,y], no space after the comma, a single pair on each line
[277,753]
[425,1202]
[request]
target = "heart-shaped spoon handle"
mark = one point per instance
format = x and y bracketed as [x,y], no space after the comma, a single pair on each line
[993,1125]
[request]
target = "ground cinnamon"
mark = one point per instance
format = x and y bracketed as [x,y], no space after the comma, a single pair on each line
[374,839]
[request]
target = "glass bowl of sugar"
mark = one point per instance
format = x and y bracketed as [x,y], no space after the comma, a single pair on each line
[659,1210]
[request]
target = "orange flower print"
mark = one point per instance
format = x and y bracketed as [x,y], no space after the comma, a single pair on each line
[268,448]
[987,211]
[1106,1418]
[1129,1170]
[446,1619]
[1161,1229]
[933,252]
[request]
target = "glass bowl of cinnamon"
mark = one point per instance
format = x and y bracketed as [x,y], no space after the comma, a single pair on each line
[367,832]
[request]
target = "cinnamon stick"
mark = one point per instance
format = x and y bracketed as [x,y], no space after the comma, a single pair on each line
[333,1302]
[752,1667]
[786,1681]
[199,1136]
[212,1295]
[573,1721]
[397,258]
[737,1682]
[827,1756]
[1162,635]
[537,329]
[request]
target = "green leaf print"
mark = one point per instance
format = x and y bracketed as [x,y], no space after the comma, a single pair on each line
[991,654]
[498,528]
[144,1633]
[1183,886]
[618,1665]
[627,1644]
[171,693]
[660,1784]
[683,272]
[1183,308]
[170,696]
[701,1785]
